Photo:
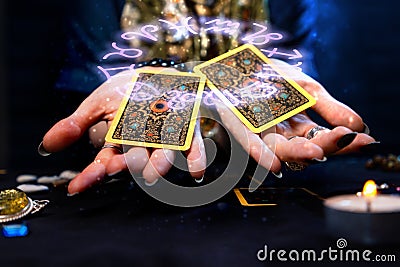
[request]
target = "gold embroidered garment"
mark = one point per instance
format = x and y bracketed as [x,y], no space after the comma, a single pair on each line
[189,30]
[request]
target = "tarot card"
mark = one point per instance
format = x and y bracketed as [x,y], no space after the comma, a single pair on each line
[258,92]
[159,110]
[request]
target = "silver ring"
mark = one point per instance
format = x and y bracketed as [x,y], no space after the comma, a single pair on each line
[294,166]
[113,146]
[313,131]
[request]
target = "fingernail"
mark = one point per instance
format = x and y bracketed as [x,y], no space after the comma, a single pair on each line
[346,140]
[366,129]
[199,180]
[277,175]
[42,151]
[319,160]
[152,183]
[72,194]
[371,147]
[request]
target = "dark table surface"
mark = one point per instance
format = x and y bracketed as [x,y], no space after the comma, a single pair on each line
[118,224]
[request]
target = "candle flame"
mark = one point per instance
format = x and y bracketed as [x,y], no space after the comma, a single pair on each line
[370,189]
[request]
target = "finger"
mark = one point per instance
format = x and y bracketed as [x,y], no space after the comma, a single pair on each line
[297,125]
[94,173]
[335,139]
[333,111]
[361,141]
[159,164]
[250,141]
[298,149]
[69,130]
[135,159]
[196,155]
[62,135]
[330,140]
[100,105]
[97,134]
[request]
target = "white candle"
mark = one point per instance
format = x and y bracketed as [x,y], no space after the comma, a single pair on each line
[367,218]
[354,203]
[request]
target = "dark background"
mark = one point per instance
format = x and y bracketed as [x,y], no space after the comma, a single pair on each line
[357,57]
[117,223]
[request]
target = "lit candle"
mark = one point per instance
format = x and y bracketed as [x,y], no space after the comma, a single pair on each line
[369,192]
[366,217]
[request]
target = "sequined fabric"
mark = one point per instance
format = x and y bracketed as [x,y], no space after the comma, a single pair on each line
[194,42]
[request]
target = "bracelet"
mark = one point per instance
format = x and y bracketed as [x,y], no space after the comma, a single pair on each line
[158,62]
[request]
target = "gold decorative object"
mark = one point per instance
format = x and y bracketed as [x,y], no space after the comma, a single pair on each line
[15,204]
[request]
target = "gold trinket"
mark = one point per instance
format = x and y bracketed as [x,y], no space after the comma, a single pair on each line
[15,204]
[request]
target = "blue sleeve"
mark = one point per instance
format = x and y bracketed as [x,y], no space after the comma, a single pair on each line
[91,27]
[296,19]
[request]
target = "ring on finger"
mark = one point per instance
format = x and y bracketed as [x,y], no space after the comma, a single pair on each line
[295,166]
[114,147]
[314,131]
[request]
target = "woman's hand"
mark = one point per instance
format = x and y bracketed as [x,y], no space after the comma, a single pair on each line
[299,139]
[102,105]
